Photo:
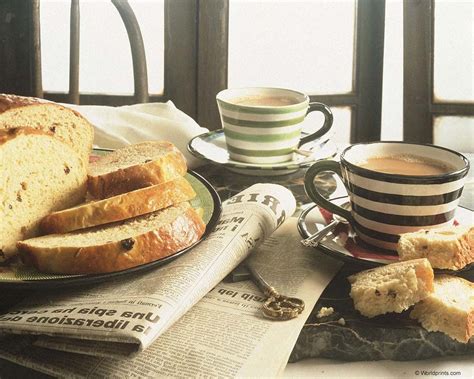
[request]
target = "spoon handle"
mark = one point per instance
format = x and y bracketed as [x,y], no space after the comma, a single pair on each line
[314,239]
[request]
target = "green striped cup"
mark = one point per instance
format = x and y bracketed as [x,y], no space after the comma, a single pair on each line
[263,125]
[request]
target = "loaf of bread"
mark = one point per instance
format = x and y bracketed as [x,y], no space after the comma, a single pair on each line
[39,174]
[116,246]
[391,288]
[450,309]
[447,248]
[135,166]
[120,207]
[64,123]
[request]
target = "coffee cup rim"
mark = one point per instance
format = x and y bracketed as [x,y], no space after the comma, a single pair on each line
[401,178]
[284,107]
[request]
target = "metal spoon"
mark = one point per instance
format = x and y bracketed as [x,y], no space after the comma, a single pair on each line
[314,239]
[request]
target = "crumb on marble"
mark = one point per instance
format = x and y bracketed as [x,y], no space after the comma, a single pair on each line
[325,311]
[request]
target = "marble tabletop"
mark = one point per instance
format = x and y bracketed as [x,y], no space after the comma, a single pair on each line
[227,184]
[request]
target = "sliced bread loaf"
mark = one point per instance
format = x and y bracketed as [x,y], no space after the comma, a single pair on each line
[120,207]
[447,248]
[391,288]
[450,309]
[135,166]
[116,246]
[38,174]
[66,124]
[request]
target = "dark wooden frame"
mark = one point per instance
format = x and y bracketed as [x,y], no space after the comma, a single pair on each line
[196,54]
[365,100]
[419,105]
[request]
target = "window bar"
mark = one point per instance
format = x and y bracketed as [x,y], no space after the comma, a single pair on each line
[37,85]
[138,49]
[370,30]
[74,38]
[417,70]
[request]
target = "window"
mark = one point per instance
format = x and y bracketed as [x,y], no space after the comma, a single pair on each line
[438,64]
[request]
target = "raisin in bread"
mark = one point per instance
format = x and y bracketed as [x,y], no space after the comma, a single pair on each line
[450,309]
[38,174]
[116,246]
[66,124]
[391,288]
[120,207]
[448,248]
[135,166]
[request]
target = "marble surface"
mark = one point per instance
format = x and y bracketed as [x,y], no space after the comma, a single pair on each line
[396,339]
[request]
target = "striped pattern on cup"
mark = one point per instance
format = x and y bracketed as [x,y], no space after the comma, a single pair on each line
[262,134]
[387,205]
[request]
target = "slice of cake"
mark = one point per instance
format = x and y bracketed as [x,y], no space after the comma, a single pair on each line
[39,174]
[447,248]
[391,288]
[116,246]
[450,309]
[120,207]
[136,166]
[65,124]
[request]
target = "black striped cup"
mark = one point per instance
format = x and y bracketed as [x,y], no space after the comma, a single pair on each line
[383,205]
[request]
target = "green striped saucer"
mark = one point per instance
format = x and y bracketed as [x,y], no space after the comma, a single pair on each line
[211,147]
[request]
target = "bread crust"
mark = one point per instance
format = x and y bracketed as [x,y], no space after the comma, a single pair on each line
[168,239]
[8,101]
[12,103]
[446,248]
[391,288]
[10,134]
[436,313]
[120,207]
[168,167]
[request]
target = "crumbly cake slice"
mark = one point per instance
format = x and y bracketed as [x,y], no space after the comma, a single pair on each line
[450,309]
[136,166]
[120,207]
[38,175]
[116,246]
[391,288]
[447,248]
[64,123]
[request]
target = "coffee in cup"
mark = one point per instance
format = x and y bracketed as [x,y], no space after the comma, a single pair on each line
[394,188]
[263,125]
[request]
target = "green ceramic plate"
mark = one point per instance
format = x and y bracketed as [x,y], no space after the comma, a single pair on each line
[20,276]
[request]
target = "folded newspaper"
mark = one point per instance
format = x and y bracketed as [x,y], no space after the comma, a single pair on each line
[97,329]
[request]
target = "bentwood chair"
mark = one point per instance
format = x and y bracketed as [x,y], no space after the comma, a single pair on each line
[20,50]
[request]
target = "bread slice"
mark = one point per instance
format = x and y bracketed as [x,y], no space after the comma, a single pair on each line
[450,309]
[391,288]
[135,166]
[446,248]
[116,246]
[38,174]
[66,124]
[120,207]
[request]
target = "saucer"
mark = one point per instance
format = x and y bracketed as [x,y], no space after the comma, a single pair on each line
[212,147]
[344,245]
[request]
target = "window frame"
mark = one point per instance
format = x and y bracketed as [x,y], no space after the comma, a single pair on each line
[419,105]
[196,67]
[365,100]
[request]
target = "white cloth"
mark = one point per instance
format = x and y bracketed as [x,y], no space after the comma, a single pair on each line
[116,127]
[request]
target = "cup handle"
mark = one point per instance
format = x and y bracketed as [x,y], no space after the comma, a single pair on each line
[328,118]
[313,193]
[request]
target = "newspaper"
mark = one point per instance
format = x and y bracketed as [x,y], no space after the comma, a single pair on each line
[136,310]
[223,335]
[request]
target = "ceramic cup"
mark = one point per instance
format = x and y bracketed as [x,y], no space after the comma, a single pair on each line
[385,205]
[263,125]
